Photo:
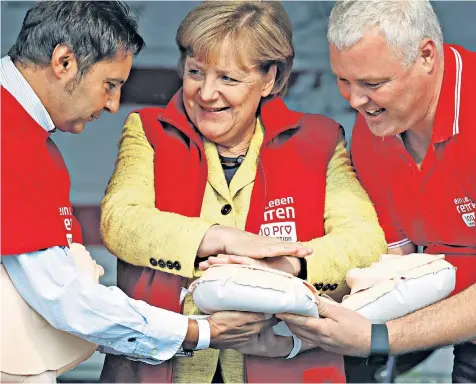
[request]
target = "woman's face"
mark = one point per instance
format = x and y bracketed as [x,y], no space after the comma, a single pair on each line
[221,99]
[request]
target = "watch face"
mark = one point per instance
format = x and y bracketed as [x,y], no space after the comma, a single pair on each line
[184,353]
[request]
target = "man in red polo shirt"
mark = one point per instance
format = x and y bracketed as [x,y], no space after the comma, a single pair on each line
[413,143]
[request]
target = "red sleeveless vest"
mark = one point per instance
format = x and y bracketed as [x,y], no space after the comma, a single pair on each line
[36,211]
[296,148]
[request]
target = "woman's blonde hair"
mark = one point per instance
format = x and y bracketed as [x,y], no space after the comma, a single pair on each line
[260,33]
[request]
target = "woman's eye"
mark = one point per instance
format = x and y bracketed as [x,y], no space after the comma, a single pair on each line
[194,72]
[228,79]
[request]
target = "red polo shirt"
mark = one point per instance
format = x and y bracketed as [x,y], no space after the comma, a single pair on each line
[434,206]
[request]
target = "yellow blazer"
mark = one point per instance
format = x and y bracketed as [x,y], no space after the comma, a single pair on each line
[134,230]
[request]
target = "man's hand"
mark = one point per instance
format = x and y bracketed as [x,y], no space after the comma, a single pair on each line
[289,264]
[247,332]
[340,330]
[233,329]
[232,241]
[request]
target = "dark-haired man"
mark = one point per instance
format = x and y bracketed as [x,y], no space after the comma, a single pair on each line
[66,68]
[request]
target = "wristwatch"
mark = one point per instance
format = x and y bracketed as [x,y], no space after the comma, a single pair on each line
[379,345]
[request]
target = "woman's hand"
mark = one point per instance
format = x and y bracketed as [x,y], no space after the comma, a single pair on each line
[267,344]
[249,333]
[288,264]
[232,241]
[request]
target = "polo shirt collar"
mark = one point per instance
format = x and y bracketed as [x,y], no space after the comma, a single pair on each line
[447,117]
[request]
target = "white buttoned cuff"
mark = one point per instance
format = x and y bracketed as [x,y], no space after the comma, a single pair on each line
[203,334]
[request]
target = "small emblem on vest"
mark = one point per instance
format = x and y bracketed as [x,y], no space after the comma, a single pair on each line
[466,207]
[469,219]
[279,209]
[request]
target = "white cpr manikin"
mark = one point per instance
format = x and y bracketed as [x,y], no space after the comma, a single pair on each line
[30,345]
[390,288]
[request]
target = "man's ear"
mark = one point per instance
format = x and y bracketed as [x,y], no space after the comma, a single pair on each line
[63,63]
[270,81]
[428,52]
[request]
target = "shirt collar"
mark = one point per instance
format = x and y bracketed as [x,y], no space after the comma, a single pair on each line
[14,82]
[447,117]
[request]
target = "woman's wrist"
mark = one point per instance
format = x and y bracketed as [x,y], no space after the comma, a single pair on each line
[295,265]
[212,242]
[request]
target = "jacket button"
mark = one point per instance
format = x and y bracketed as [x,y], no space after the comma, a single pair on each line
[318,286]
[177,265]
[170,265]
[333,287]
[326,287]
[161,263]
[226,209]
[153,262]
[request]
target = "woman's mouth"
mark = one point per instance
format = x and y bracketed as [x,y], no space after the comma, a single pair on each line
[213,110]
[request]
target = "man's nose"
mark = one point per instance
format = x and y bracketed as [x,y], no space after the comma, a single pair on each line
[358,98]
[114,102]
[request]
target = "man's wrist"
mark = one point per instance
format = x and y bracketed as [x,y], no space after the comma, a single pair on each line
[379,344]
[191,338]
[198,335]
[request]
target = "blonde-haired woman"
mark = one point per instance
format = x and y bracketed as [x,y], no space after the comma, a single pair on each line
[225,168]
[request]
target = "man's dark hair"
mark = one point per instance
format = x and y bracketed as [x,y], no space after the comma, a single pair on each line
[94,30]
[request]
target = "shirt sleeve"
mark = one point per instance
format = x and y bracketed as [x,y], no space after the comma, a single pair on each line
[371,176]
[71,301]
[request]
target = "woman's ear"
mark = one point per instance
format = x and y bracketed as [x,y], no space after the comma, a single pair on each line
[270,80]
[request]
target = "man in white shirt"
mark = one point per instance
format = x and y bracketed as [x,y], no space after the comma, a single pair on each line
[66,68]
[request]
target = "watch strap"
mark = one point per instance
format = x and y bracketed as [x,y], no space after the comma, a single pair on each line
[379,343]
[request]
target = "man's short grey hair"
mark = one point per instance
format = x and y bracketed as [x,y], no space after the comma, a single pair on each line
[403,23]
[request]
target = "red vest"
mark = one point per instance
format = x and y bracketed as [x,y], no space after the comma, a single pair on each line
[296,148]
[36,211]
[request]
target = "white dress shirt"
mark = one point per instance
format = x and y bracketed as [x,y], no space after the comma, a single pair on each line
[69,299]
